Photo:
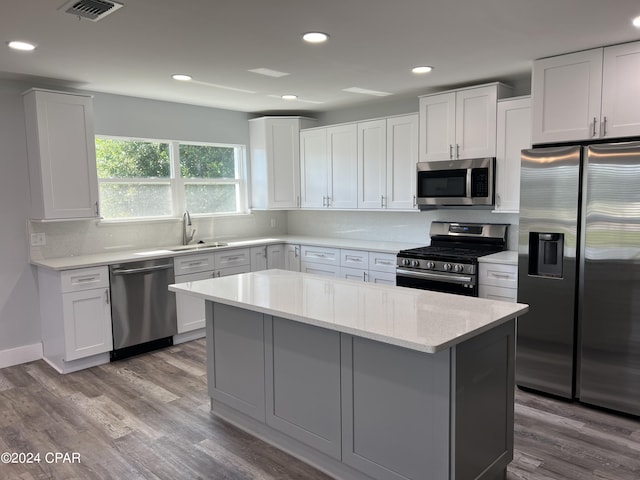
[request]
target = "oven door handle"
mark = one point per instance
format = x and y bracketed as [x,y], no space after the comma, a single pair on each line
[435,276]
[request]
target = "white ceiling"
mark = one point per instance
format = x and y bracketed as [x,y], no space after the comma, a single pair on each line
[373,44]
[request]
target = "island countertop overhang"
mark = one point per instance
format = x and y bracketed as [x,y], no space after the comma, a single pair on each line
[415,319]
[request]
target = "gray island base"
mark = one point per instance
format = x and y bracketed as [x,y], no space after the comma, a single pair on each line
[362,381]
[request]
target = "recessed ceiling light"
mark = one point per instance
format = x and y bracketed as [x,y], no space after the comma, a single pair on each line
[315,37]
[289,97]
[636,22]
[24,46]
[421,69]
[181,77]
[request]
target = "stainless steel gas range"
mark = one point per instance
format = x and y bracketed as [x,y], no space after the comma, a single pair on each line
[450,263]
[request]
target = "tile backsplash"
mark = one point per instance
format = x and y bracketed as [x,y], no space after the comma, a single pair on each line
[82,237]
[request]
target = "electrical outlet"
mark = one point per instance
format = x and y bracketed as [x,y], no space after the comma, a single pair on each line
[38,239]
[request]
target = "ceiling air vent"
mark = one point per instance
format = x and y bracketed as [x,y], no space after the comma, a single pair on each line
[94,10]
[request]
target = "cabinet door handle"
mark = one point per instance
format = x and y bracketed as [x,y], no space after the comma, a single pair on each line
[593,131]
[450,152]
[604,127]
[364,276]
[97,209]
[381,201]
[324,201]
[414,201]
[106,296]
[457,150]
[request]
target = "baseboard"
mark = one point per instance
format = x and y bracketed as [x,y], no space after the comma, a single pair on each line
[16,356]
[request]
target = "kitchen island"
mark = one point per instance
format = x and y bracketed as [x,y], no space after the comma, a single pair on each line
[361,380]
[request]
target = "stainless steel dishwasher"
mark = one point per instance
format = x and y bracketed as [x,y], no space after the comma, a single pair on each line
[143,311]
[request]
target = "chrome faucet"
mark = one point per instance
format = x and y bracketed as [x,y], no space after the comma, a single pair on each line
[186,222]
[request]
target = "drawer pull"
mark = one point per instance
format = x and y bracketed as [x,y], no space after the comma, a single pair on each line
[92,278]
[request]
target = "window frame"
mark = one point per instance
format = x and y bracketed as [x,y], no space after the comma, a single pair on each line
[177,183]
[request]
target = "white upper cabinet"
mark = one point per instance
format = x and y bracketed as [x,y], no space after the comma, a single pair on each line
[387,157]
[62,155]
[275,161]
[342,149]
[621,91]
[314,168]
[514,135]
[587,95]
[566,94]
[329,167]
[372,163]
[402,156]
[460,124]
[437,126]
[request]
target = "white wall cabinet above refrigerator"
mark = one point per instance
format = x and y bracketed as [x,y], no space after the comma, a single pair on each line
[587,95]
[387,157]
[275,161]
[329,167]
[62,156]
[460,123]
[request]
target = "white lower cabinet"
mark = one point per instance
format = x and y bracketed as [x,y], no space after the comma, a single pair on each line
[75,309]
[497,281]
[267,257]
[320,260]
[200,266]
[374,267]
[292,257]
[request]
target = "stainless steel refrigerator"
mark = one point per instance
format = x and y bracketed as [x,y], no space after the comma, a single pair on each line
[579,270]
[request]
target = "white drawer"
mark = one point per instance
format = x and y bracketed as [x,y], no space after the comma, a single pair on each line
[225,272]
[382,262]
[324,255]
[498,293]
[354,274]
[186,264]
[320,269]
[498,275]
[84,279]
[354,259]
[232,258]
[386,278]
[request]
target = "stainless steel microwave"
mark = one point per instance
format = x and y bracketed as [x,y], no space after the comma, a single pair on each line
[456,183]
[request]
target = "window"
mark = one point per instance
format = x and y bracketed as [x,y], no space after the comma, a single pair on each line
[148,178]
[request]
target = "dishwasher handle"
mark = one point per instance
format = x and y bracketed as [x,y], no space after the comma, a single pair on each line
[128,271]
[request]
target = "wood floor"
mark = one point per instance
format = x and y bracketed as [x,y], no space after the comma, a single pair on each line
[148,418]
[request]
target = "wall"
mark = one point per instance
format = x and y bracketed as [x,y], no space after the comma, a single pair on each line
[19,312]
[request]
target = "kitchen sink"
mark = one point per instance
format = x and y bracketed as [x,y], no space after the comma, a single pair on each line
[199,246]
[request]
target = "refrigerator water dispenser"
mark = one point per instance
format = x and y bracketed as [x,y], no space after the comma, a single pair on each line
[546,254]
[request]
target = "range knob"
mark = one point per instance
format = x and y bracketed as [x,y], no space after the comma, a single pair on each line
[406,262]
[415,263]
[458,268]
[447,267]
[430,265]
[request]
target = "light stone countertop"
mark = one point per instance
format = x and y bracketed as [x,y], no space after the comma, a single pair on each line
[508,257]
[411,318]
[109,258]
